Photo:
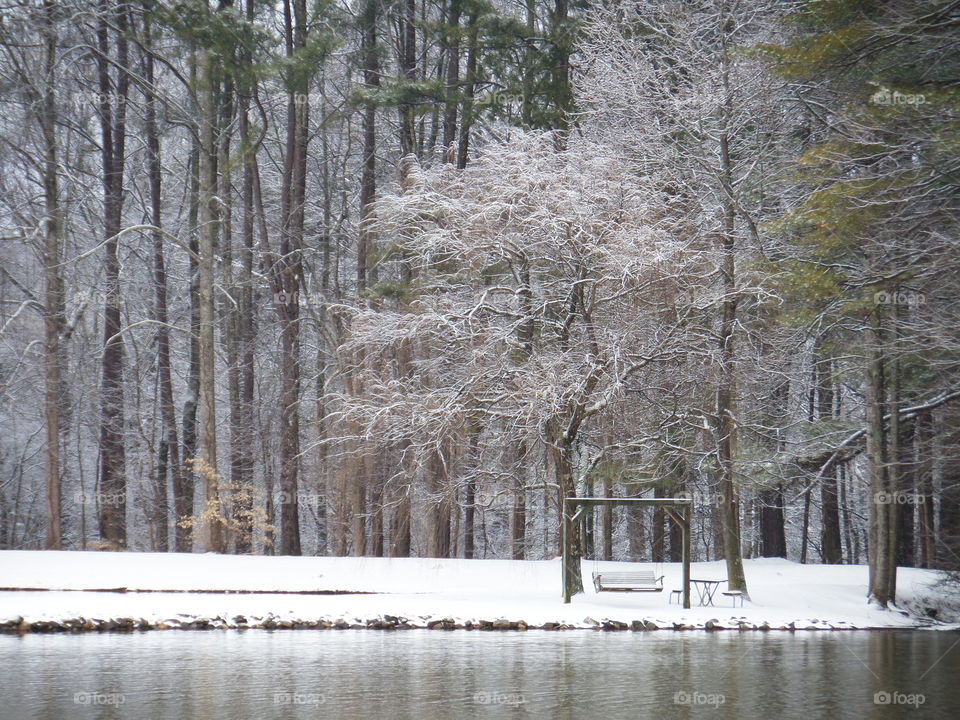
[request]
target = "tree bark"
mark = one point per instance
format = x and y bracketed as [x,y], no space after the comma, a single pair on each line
[451,102]
[288,271]
[882,508]
[466,105]
[368,175]
[209,234]
[470,492]
[407,66]
[831,548]
[773,539]
[726,431]
[53,315]
[183,496]
[112,475]
[169,451]
[242,472]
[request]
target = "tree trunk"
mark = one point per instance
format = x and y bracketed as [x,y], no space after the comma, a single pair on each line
[368,175]
[112,476]
[212,531]
[438,514]
[287,273]
[183,496]
[400,525]
[470,493]
[452,79]
[726,431]
[773,540]
[882,507]
[407,66]
[831,549]
[658,542]
[53,316]
[169,451]
[925,490]
[243,470]
[607,514]
[561,457]
[519,515]
[466,107]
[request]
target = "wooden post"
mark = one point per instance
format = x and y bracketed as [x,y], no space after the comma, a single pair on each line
[564,543]
[687,529]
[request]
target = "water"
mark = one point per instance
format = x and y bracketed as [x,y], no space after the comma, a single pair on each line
[429,675]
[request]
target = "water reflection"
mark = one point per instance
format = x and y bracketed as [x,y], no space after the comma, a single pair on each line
[257,675]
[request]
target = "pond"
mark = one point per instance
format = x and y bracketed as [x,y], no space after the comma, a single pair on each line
[428,675]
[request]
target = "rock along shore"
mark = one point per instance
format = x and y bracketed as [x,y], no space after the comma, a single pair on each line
[393,623]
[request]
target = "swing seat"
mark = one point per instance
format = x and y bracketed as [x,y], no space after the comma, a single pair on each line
[637,581]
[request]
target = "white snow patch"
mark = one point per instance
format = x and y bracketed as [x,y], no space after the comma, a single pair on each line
[781,592]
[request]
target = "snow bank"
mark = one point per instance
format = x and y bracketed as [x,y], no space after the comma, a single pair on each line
[195,590]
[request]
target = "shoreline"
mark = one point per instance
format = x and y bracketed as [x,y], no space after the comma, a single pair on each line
[390,623]
[74,592]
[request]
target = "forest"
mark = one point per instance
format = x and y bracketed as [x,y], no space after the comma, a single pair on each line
[394,277]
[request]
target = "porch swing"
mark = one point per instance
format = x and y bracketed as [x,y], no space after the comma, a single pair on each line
[633,581]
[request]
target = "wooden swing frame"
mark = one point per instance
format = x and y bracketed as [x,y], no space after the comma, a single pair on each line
[680,510]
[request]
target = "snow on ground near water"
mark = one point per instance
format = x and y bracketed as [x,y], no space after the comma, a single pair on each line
[419,588]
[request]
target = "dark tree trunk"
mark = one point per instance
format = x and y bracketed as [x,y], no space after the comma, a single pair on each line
[925,491]
[773,538]
[466,106]
[727,426]
[452,79]
[805,528]
[368,175]
[831,549]
[210,223]
[658,541]
[470,492]
[287,274]
[519,515]
[909,492]
[880,546]
[948,544]
[400,527]
[169,450]
[408,71]
[438,514]
[53,311]
[183,496]
[243,470]
[607,513]
[112,475]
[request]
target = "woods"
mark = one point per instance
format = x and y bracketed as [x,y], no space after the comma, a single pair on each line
[395,278]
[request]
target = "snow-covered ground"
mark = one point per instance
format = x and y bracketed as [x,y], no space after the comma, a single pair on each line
[422,589]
